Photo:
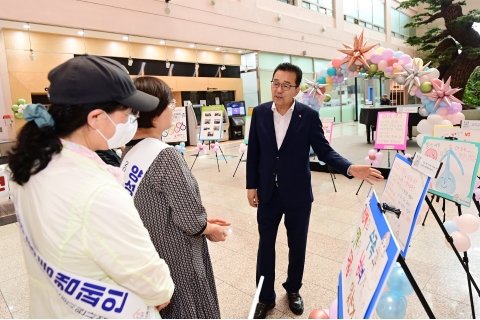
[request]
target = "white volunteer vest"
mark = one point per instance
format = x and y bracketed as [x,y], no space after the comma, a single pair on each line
[137,161]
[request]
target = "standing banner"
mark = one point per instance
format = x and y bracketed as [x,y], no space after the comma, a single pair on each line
[327,126]
[457,176]
[178,131]
[370,258]
[391,131]
[405,190]
[211,123]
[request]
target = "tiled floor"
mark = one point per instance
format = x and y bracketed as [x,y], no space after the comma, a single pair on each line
[436,269]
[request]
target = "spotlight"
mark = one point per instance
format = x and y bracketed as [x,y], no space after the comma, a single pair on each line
[167,64]
[162,41]
[81,32]
[125,38]
[192,46]
[240,51]
[223,68]
[130,61]
[26,26]
[218,49]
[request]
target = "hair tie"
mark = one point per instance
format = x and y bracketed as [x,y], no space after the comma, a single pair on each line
[39,114]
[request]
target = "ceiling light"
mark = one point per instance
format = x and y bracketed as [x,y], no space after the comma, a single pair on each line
[130,61]
[162,41]
[223,68]
[125,38]
[192,46]
[167,64]
[240,51]
[26,26]
[81,32]
[217,49]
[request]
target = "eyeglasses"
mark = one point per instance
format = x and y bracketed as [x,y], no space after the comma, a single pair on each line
[285,86]
[134,113]
[173,104]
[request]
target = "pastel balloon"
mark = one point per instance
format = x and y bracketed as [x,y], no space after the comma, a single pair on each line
[333,309]
[442,112]
[391,306]
[372,152]
[426,87]
[371,157]
[379,50]
[327,98]
[450,226]
[391,61]
[424,79]
[418,62]
[419,93]
[382,65]
[400,79]
[373,68]
[446,123]
[425,127]
[398,282]
[318,314]
[376,163]
[328,88]
[379,156]
[477,183]
[457,118]
[367,160]
[460,240]
[433,73]
[420,138]
[398,54]
[405,58]
[340,79]
[408,65]
[476,192]
[387,54]
[336,63]
[369,54]
[468,223]
[329,80]
[434,119]
[321,80]
[331,71]
[408,155]
[376,58]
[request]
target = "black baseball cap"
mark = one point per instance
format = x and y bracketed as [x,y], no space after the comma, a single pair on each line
[89,79]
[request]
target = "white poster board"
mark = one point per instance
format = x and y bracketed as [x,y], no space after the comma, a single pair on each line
[327,126]
[211,125]
[392,129]
[248,120]
[459,133]
[405,190]
[178,131]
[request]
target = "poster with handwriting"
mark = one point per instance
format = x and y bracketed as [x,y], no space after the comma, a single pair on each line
[371,255]
[456,132]
[459,171]
[178,131]
[405,190]
[327,126]
[392,129]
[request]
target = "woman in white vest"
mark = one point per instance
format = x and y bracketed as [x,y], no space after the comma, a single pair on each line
[86,250]
[167,197]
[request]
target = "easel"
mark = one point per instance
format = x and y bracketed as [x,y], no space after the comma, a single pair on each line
[330,170]
[241,157]
[216,156]
[463,261]
[378,150]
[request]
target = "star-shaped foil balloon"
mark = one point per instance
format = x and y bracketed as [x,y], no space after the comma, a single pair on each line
[356,52]
[443,93]
[413,74]
[314,88]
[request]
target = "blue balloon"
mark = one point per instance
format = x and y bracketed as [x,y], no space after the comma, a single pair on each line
[391,306]
[429,106]
[427,68]
[331,71]
[321,80]
[450,226]
[343,66]
[323,73]
[442,104]
[398,54]
[182,144]
[398,282]
[425,100]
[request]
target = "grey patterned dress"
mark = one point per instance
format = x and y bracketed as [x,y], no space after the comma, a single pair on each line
[169,203]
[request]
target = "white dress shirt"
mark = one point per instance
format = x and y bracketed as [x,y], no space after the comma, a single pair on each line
[281,123]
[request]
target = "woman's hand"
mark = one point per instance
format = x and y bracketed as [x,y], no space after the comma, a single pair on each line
[215,232]
[218,221]
[160,307]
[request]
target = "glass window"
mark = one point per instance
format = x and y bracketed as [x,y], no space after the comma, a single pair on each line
[365,11]
[350,8]
[322,6]
[404,19]
[288,1]
[304,63]
[378,13]
[305,5]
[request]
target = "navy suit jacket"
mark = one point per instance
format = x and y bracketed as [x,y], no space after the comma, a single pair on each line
[291,163]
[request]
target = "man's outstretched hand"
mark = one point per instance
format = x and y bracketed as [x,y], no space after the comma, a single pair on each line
[366,173]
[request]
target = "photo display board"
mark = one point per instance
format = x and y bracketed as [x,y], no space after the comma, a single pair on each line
[211,125]
[371,255]
[391,131]
[405,190]
[459,170]
[178,131]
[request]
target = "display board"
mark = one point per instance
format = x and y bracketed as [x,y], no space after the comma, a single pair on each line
[470,124]
[370,258]
[458,173]
[212,123]
[4,184]
[178,131]
[248,120]
[405,190]
[327,126]
[459,133]
[391,131]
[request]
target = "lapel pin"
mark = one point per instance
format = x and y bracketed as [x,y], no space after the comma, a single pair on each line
[300,115]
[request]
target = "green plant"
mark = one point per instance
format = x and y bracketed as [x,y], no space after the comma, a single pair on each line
[472,89]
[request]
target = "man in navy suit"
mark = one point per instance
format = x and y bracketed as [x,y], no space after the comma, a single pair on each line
[278,180]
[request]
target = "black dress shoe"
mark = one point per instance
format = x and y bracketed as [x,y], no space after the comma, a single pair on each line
[261,310]
[295,302]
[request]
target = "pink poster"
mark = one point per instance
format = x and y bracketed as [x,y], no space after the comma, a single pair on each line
[391,131]
[327,126]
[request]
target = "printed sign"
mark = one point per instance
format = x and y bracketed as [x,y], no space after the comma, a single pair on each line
[392,129]
[327,126]
[4,184]
[248,120]
[212,123]
[407,110]
[426,165]
[460,166]
[470,124]
[178,131]
[370,258]
[405,190]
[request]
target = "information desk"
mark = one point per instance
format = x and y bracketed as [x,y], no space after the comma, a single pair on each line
[368,117]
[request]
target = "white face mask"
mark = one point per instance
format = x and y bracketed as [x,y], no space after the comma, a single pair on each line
[124,132]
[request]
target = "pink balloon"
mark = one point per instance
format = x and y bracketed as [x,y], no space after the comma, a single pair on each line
[468,223]
[460,240]
[340,79]
[442,111]
[419,93]
[476,192]
[406,59]
[382,65]
[436,81]
[369,54]
[424,79]
[367,160]
[408,155]
[379,156]
[318,314]
[336,63]
[371,152]
[477,183]
[376,163]
[449,117]
[457,118]
[391,61]
[333,310]
[375,58]
[387,54]
[408,65]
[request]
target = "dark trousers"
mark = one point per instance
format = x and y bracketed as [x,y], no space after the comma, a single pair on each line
[296,221]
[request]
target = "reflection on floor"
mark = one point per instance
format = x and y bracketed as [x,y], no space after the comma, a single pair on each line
[436,269]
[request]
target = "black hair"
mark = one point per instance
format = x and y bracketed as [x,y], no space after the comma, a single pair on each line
[157,88]
[286,66]
[36,146]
